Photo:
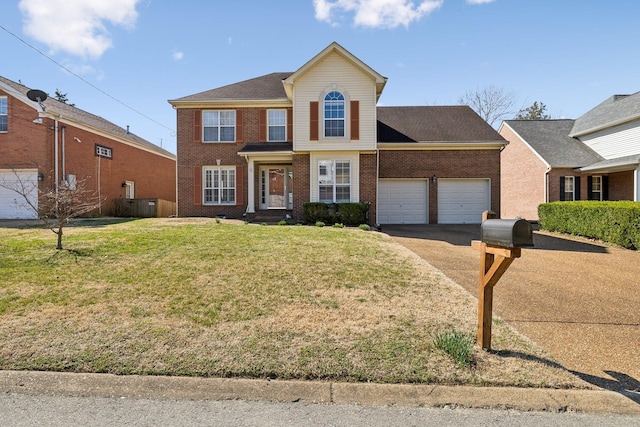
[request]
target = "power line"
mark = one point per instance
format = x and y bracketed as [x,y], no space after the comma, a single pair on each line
[87,82]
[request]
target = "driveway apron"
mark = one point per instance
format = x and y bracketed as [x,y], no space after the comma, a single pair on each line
[578,299]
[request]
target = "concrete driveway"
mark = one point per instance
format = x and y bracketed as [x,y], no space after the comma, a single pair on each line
[578,299]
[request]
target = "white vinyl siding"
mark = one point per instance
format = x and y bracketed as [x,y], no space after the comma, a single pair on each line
[320,171]
[616,142]
[462,201]
[334,73]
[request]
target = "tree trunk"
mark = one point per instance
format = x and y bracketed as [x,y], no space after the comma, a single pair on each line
[59,233]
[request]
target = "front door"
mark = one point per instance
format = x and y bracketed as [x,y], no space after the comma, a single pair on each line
[275,187]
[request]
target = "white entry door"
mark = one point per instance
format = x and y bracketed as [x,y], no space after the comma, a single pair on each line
[402,202]
[462,201]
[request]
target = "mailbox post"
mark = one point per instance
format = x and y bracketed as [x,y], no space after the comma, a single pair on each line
[500,244]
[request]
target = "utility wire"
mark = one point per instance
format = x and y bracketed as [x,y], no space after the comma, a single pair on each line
[87,82]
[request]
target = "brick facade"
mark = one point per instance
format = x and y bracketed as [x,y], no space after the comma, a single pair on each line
[413,164]
[31,145]
[369,182]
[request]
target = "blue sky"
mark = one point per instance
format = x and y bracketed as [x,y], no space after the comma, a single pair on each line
[128,57]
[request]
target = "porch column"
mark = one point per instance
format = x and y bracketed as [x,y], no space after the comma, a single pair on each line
[251,205]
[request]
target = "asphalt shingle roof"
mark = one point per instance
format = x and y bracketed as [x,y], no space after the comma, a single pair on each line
[458,123]
[88,119]
[615,110]
[551,140]
[260,88]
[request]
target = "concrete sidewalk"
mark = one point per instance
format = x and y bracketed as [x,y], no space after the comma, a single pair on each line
[210,389]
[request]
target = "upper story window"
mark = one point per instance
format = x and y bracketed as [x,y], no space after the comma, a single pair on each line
[104,152]
[334,114]
[277,125]
[4,116]
[219,126]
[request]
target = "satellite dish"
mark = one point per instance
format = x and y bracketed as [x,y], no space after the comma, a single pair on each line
[38,96]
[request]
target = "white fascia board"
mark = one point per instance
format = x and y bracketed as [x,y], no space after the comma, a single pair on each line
[232,103]
[439,146]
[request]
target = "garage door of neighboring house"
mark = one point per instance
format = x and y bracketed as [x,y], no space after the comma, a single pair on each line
[12,204]
[462,201]
[402,202]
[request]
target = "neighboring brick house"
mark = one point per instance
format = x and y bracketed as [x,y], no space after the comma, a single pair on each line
[596,157]
[272,143]
[109,160]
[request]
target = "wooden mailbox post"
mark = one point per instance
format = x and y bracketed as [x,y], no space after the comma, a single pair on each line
[498,248]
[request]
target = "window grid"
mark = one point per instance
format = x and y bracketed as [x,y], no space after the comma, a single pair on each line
[277,125]
[219,126]
[219,186]
[569,188]
[104,152]
[334,114]
[4,114]
[334,181]
[596,188]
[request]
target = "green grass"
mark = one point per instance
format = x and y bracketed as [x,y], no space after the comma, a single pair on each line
[219,298]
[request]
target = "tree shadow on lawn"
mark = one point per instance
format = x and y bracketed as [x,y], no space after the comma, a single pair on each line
[619,382]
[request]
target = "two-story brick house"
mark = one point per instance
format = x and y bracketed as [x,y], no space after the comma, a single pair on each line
[277,141]
[49,143]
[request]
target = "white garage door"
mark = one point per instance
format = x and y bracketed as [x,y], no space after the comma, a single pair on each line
[402,202]
[12,204]
[462,201]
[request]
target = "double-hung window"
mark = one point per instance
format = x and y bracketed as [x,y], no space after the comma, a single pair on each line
[219,126]
[4,114]
[219,185]
[569,188]
[334,114]
[596,188]
[334,181]
[277,125]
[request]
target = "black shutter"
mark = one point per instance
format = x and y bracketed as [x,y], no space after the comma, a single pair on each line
[576,188]
[605,188]
[590,195]
[562,188]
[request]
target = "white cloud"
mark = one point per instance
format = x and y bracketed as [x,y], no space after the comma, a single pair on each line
[376,13]
[480,1]
[177,55]
[76,26]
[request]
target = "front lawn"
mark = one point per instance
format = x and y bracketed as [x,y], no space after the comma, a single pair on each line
[203,297]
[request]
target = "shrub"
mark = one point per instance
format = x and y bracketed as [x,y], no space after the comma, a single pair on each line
[338,225]
[350,214]
[614,222]
[319,224]
[364,227]
[457,345]
[282,222]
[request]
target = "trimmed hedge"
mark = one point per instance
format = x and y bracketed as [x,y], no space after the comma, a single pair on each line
[331,213]
[613,222]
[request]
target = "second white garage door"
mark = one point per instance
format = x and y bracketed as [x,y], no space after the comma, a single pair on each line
[462,201]
[402,202]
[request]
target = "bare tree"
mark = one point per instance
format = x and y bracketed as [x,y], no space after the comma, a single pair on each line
[55,206]
[491,103]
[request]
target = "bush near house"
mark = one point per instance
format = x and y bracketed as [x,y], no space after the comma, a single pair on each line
[614,222]
[349,214]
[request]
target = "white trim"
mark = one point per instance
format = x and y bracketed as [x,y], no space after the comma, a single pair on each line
[283,110]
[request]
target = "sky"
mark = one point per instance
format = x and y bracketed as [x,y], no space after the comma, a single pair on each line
[124,59]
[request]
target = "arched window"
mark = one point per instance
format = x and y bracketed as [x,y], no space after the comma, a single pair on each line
[334,114]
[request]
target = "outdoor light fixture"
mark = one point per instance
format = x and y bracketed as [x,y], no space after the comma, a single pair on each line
[434,179]
[124,184]
[40,176]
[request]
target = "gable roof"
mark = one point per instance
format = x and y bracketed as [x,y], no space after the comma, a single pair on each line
[551,141]
[267,87]
[457,123]
[334,47]
[616,110]
[76,116]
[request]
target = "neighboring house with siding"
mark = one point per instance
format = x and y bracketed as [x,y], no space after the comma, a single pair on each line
[269,144]
[596,157]
[58,144]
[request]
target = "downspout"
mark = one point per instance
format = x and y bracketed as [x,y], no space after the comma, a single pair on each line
[546,184]
[55,156]
[64,174]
